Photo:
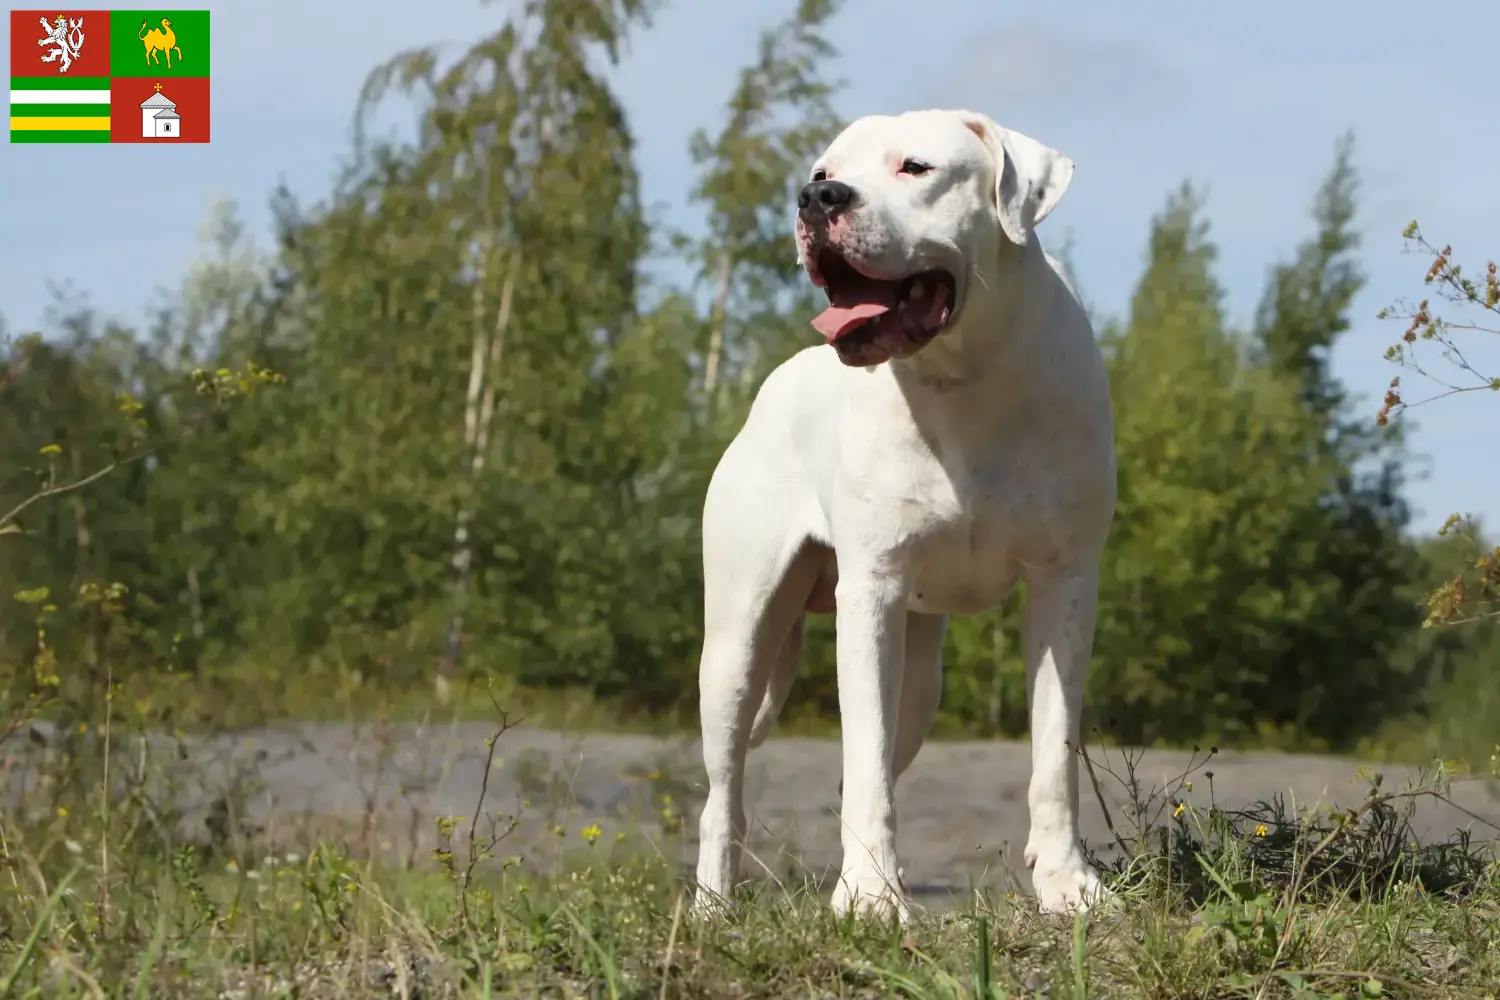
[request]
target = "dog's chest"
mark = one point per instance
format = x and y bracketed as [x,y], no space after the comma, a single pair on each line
[958,506]
[963,534]
[967,553]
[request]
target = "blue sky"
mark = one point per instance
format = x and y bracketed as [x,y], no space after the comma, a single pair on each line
[1245,99]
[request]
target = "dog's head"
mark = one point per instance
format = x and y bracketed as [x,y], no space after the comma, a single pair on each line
[902,214]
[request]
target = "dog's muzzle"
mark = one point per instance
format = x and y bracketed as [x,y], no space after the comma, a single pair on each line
[872,320]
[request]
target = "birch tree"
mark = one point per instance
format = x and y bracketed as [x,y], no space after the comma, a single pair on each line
[506,235]
[777,121]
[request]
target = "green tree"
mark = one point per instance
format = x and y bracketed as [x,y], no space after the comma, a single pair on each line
[1306,303]
[205,561]
[1369,566]
[1209,478]
[61,421]
[92,422]
[460,311]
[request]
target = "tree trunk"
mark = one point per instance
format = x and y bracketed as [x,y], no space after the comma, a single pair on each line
[195,601]
[488,350]
[194,589]
[497,353]
[84,565]
[478,355]
[713,360]
[479,407]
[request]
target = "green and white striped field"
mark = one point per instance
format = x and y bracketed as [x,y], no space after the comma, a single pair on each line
[59,109]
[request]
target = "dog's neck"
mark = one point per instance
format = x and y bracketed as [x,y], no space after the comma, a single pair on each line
[988,347]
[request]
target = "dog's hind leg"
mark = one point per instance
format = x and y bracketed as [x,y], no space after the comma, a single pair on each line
[755,589]
[783,674]
[921,685]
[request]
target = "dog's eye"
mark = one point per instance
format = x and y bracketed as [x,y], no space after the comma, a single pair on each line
[819,175]
[915,167]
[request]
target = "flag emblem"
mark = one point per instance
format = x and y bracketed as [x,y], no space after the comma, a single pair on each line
[160,41]
[159,117]
[65,39]
[82,76]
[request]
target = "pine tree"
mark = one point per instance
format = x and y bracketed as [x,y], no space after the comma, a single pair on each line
[1215,465]
[1345,652]
[1306,303]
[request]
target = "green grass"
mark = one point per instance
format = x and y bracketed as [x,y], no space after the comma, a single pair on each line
[326,927]
[102,896]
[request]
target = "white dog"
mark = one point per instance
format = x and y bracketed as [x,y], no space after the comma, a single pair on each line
[956,435]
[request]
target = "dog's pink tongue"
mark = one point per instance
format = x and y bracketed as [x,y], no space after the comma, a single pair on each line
[855,299]
[837,320]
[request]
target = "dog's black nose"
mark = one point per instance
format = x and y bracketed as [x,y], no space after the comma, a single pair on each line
[824,197]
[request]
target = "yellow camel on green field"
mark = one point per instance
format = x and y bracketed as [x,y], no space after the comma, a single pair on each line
[159,40]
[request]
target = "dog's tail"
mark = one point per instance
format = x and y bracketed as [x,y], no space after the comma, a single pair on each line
[783,673]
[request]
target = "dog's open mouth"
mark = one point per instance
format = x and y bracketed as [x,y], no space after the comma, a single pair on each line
[869,321]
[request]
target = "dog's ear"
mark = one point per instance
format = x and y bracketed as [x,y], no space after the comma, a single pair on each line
[1030,178]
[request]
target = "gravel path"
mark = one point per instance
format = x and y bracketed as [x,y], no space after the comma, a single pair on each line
[962,804]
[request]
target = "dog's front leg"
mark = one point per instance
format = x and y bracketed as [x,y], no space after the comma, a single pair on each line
[871,639]
[1061,608]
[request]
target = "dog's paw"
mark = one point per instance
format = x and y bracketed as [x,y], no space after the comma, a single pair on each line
[870,897]
[1071,887]
[709,905]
